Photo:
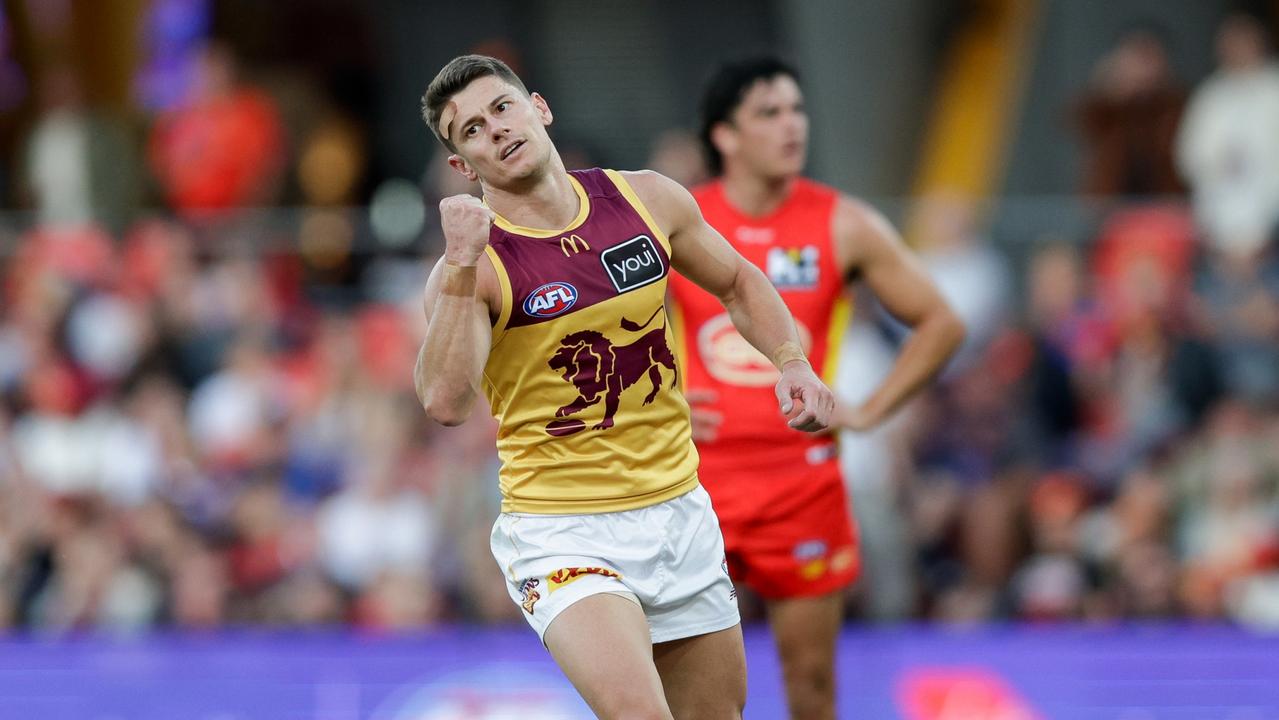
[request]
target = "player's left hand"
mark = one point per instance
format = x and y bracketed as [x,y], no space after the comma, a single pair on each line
[805,400]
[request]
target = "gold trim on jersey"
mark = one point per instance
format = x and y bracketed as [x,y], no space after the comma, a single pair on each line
[508,297]
[628,192]
[511,503]
[584,210]
[840,315]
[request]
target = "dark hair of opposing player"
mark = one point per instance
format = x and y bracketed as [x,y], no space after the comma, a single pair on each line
[453,79]
[724,93]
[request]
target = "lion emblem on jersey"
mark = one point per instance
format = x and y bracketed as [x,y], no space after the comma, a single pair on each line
[601,370]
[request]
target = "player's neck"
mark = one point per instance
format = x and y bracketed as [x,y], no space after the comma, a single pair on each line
[755,195]
[546,202]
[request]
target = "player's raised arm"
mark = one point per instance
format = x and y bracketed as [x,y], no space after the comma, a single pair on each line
[456,302]
[757,311]
[868,244]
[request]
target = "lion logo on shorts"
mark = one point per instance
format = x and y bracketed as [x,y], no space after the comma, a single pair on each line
[600,369]
[529,594]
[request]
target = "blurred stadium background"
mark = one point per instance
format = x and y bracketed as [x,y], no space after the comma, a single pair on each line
[220,499]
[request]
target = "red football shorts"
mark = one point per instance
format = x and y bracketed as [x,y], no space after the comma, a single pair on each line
[787,536]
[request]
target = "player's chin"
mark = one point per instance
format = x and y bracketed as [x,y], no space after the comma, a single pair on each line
[790,167]
[510,175]
[785,170]
[521,169]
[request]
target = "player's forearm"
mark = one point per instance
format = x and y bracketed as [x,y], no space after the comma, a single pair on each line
[445,375]
[759,314]
[930,346]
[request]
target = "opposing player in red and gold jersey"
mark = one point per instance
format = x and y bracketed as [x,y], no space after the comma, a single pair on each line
[779,495]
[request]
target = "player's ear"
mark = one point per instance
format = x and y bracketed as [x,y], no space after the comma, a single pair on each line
[459,163]
[724,138]
[543,110]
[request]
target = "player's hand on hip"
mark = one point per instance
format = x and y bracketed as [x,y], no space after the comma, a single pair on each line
[706,420]
[805,400]
[857,418]
[466,222]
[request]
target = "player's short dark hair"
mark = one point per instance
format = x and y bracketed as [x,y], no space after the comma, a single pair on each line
[453,79]
[725,92]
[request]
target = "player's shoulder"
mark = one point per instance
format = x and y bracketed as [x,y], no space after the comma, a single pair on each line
[851,215]
[651,181]
[662,195]
[861,232]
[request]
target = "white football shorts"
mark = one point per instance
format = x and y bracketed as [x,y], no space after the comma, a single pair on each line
[668,557]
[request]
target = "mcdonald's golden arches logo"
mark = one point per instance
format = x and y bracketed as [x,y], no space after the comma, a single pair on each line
[572,241]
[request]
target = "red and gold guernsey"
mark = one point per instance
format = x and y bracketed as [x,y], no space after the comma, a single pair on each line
[794,248]
[581,376]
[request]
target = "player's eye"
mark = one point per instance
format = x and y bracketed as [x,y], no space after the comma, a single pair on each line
[502,105]
[473,130]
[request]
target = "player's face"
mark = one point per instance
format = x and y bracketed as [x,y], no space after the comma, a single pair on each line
[770,129]
[499,132]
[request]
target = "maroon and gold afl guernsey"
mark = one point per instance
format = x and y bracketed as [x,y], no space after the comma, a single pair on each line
[581,377]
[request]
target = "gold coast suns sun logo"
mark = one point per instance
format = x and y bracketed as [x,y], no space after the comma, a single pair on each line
[730,359]
[564,576]
[601,370]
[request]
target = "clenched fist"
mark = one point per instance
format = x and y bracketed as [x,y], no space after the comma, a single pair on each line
[805,400]
[466,222]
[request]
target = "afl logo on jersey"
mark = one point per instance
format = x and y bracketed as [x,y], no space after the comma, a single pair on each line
[550,300]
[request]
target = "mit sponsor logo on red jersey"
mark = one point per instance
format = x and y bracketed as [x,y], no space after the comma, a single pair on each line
[551,299]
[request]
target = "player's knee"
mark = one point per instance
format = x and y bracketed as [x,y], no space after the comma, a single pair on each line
[810,674]
[726,706]
[815,672]
[730,707]
[634,707]
[805,660]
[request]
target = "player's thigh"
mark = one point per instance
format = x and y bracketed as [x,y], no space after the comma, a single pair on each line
[805,630]
[704,676]
[601,642]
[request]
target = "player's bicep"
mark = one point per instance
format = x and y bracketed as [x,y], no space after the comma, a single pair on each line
[702,255]
[893,272]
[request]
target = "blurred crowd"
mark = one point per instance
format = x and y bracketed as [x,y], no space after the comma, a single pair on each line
[208,415]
